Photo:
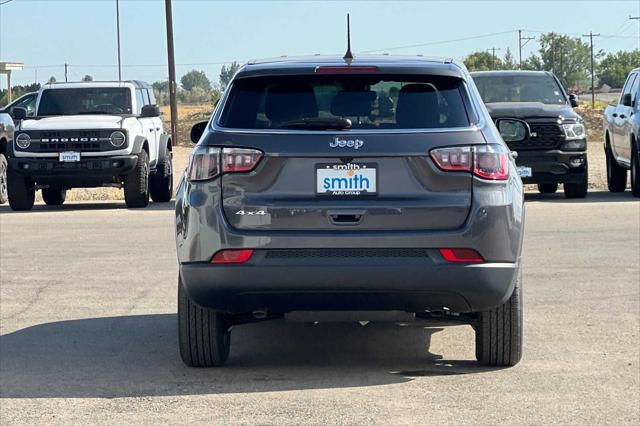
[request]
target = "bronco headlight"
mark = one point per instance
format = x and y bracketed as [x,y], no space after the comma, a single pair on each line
[117,138]
[23,141]
[574,131]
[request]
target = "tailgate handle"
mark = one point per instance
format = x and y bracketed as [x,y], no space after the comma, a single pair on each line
[346,217]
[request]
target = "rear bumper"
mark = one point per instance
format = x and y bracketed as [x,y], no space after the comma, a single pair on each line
[412,285]
[553,166]
[89,171]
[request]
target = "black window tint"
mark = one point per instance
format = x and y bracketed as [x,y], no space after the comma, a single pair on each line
[634,88]
[28,103]
[369,101]
[98,100]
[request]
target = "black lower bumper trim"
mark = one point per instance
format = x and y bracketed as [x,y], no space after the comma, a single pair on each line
[401,286]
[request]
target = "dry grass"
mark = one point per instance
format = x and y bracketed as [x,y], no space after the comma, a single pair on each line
[188,115]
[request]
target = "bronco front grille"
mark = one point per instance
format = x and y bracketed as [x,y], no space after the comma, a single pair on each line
[342,253]
[544,136]
[48,141]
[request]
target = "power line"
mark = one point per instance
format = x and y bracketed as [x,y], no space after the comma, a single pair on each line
[521,45]
[5,2]
[432,43]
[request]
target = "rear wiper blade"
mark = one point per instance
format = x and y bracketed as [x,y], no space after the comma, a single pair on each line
[318,123]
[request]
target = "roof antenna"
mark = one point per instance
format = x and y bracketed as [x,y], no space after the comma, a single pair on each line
[348,57]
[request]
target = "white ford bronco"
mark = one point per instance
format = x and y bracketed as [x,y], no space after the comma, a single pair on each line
[87,135]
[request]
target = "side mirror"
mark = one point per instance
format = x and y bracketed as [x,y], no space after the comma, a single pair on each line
[18,113]
[626,99]
[513,130]
[197,130]
[150,111]
[573,100]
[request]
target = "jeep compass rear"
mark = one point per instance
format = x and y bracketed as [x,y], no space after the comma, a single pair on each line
[376,189]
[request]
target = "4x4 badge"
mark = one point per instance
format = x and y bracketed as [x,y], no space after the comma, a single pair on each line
[251,213]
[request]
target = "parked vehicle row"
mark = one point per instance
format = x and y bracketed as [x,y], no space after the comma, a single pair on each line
[622,137]
[90,134]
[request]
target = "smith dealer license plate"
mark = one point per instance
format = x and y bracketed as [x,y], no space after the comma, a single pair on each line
[346,180]
[524,172]
[69,157]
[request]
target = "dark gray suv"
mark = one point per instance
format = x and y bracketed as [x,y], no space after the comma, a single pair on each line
[377,189]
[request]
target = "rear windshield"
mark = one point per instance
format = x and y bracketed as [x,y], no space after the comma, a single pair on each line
[95,100]
[523,88]
[368,102]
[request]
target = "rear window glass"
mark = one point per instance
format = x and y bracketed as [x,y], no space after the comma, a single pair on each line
[368,101]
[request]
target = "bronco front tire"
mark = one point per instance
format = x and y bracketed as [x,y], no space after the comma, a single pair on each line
[136,183]
[499,332]
[203,336]
[161,182]
[20,191]
[4,197]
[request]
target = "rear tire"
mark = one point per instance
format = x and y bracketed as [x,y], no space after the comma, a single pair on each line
[136,183]
[499,332]
[4,196]
[635,170]
[161,183]
[580,189]
[616,175]
[54,196]
[203,336]
[20,191]
[547,188]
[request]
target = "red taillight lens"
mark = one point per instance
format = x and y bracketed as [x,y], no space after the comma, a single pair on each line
[490,162]
[453,159]
[232,256]
[239,159]
[208,162]
[461,255]
[485,161]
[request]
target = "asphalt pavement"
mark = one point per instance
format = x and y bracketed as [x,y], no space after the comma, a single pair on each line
[88,334]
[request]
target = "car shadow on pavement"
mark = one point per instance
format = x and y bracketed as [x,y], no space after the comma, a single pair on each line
[592,197]
[88,205]
[137,356]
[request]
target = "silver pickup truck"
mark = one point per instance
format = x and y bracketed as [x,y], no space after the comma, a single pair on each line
[6,137]
[622,137]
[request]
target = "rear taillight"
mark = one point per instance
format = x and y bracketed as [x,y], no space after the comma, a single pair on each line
[461,255]
[485,161]
[208,162]
[232,256]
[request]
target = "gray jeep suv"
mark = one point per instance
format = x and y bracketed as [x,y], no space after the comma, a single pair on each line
[377,189]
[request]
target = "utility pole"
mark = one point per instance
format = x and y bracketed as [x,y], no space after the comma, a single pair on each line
[637,18]
[521,45]
[493,56]
[172,73]
[66,74]
[591,35]
[118,38]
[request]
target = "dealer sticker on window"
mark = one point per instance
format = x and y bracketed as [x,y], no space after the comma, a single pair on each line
[346,179]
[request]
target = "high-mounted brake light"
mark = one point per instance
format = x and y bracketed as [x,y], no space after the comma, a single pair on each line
[232,256]
[485,161]
[461,255]
[207,162]
[356,69]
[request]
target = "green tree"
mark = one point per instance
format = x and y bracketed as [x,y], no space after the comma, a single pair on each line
[227,73]
[509,63]
[569,58]
[615,67]
[482,61]
[195,79]
[87,78]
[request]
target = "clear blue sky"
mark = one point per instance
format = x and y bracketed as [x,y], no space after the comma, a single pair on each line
[44,34]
